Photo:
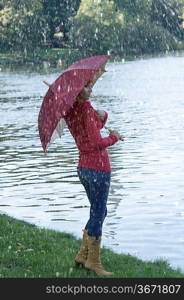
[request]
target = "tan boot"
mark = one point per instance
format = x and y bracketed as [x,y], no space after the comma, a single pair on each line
[93,260]
[81,256]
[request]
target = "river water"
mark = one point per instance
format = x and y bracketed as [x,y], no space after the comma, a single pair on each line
[144,99]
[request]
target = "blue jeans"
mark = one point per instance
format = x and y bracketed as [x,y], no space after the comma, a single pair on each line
[96,184]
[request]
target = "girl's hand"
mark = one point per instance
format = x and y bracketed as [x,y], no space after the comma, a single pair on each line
[116,134]
[101,114]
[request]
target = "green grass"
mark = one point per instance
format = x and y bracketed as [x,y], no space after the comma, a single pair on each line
[39,55]
[66,56]
[29,251]
[52,53]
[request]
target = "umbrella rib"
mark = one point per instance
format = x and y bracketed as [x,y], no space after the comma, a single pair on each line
[48,84]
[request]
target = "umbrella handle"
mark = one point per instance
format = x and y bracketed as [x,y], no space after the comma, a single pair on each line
[109,129]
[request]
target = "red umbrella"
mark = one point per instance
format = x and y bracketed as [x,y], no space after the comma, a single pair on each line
[62,94]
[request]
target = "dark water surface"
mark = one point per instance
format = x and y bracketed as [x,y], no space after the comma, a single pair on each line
[145,102]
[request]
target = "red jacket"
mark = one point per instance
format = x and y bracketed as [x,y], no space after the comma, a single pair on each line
[84,125]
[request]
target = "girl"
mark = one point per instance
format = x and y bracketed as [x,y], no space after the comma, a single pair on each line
[94,172]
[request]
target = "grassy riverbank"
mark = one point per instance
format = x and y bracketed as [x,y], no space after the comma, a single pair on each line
[60,57]
[51,55]
[29,251]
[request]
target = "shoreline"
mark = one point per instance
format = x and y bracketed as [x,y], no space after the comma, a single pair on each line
[28,251]
[63,57]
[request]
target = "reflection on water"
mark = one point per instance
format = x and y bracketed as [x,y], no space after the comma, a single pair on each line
[146,204]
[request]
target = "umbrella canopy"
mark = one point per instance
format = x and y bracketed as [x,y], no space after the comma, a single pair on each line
[62,94]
